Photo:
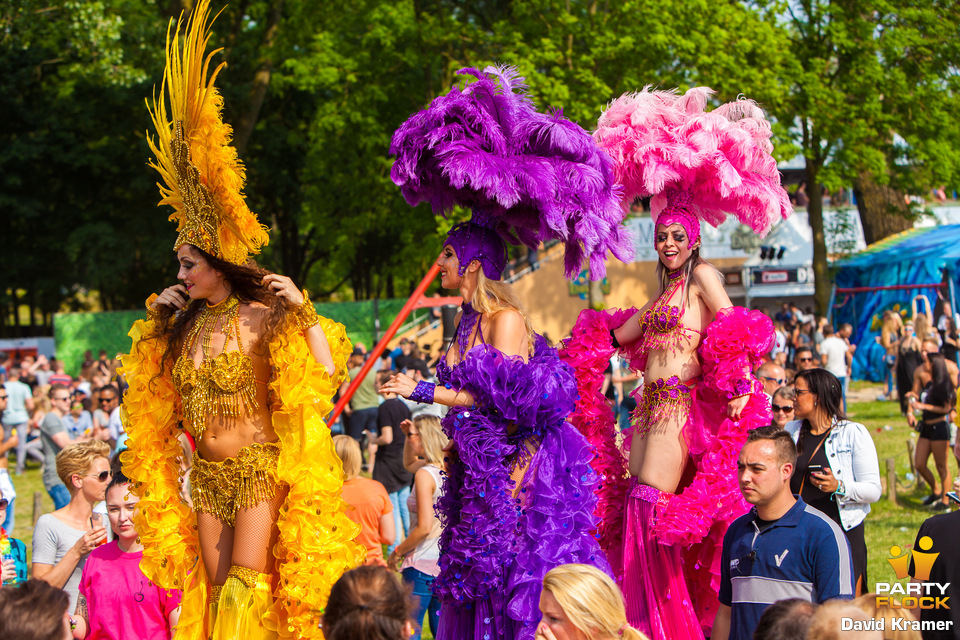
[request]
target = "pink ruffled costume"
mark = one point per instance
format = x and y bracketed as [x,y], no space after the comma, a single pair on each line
[665,552]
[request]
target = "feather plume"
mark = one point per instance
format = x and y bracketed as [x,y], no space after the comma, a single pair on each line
[537,176]
[660,140]
[202,178]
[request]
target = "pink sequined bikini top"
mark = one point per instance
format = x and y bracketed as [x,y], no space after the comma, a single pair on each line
[661,325]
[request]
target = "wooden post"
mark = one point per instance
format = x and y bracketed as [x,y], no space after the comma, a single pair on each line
[37,506]
[912,452]
[892,480]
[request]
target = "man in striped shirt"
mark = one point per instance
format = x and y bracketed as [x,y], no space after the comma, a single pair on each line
[782,548]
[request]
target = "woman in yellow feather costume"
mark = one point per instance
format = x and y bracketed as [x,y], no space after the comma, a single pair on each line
[239,358]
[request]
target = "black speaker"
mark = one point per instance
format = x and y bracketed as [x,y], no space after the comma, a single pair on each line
[448,315]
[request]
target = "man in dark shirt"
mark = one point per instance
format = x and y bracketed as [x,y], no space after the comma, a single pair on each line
[942,530]
[388,468]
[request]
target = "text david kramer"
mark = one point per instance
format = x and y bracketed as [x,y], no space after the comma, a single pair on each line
[896,624]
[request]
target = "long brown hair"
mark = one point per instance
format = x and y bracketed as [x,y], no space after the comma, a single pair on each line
[245,281]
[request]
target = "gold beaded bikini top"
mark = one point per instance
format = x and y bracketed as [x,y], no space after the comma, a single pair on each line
[221,385]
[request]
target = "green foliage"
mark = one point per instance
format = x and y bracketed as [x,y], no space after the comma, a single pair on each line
[315,91]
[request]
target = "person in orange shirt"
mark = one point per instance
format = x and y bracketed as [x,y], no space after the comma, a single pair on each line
[368,502]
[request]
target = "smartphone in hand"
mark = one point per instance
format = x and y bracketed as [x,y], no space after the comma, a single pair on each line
[953,496]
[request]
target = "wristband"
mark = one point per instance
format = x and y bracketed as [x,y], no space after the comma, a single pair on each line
[613,339]
[423,392]
[741,388]
[306,314]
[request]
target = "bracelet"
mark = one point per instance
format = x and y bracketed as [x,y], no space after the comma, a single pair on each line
[423,392]
[741,388]
[73,624]
[306,314]
[613,339]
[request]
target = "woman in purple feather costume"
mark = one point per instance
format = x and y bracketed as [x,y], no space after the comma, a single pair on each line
[518,498]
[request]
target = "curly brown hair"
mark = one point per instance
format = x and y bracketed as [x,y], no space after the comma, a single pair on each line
[246,281]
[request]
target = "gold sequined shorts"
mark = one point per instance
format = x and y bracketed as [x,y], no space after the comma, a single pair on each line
[221,488]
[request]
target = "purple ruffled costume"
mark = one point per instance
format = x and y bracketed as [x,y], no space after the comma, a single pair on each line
[495,549]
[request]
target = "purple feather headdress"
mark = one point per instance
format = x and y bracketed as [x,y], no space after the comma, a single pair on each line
[661,142]
[534,176]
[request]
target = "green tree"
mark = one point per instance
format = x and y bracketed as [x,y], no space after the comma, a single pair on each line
[872,95]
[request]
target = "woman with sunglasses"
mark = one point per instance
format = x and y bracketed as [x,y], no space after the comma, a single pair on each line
[781,405]
[837,471]
[62,540]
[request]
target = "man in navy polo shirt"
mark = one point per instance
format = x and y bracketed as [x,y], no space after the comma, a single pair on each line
[782,548]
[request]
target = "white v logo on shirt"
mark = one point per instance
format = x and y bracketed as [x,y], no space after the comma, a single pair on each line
[780,557]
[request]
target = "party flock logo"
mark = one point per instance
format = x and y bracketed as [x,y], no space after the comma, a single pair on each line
[918,594]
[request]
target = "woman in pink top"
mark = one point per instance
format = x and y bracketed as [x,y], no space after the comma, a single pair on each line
[368,503]
[116,600]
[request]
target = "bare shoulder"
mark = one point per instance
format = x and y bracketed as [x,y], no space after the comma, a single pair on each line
[706,276]
[508,321]
[254,315]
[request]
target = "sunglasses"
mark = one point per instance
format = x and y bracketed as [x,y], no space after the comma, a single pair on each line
[777,380]
[4,503]
[777,408]
[804,359]
[105,400]
[103,476]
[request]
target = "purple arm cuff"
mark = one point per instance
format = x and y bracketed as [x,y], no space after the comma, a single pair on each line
[424,392]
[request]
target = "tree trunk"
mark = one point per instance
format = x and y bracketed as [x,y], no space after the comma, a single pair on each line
[821,276]
[883,210]
[261,81]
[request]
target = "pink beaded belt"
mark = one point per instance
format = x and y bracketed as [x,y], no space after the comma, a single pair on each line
[662,400]
[649,494]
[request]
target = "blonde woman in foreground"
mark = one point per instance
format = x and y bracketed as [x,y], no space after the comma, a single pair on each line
[580,602]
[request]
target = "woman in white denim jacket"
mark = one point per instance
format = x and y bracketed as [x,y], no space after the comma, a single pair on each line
[837,470]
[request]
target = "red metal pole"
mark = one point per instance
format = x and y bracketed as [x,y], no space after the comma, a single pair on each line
[382,345]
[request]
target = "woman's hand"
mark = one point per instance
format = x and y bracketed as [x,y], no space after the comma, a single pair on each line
[175,296]
[90,540]
[736,405]
[9,571]
[283,287]
[825,480]
[400,384]
[393,562]
[544,632]
[405,427]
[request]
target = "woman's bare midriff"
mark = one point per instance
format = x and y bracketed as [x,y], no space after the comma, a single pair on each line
[659,458]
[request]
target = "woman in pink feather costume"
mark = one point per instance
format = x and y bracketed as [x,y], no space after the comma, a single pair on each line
[663,529]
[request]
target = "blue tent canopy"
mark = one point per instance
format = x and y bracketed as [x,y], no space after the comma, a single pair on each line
[919,260]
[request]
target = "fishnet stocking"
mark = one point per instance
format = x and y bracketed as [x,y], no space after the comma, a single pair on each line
[255,534]
[216,545]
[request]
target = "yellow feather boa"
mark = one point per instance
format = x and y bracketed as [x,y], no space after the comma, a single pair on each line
[316,542]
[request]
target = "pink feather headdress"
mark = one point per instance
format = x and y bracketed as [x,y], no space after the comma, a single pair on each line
[662,141]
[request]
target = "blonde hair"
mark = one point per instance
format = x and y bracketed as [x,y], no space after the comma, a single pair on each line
[826,622]
[493,296]
[77,458]
[868,604]
[432,437]
[348,450]
[591,600]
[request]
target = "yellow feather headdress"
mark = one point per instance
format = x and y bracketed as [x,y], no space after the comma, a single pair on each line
[202,176]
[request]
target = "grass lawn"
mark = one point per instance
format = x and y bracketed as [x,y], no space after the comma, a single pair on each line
[888,524]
